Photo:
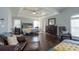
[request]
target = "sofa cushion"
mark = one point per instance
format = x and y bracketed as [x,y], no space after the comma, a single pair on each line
[12,40]
[1,43]
[21,39]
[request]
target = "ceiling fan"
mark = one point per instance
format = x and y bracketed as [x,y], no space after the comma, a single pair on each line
[35,11]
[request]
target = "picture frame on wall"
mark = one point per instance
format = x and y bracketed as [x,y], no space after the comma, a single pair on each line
[52,21]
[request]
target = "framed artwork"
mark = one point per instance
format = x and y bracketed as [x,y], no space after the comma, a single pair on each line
[52,21]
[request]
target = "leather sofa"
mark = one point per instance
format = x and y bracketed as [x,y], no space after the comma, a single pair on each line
[5,47]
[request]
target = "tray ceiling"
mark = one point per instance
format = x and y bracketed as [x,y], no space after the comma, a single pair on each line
[35,12]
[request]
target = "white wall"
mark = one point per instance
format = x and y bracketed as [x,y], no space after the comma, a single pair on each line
[24,20]
[30,20]
[5,25]
[9,20]
[63,19]
[27,20]
[41,24]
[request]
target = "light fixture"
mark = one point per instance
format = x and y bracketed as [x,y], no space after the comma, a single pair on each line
[34,12]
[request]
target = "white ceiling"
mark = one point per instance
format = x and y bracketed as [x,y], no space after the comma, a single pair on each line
[35,12]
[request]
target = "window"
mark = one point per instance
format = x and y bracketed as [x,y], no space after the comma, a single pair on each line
[75,27]
[17,23]
[36,24]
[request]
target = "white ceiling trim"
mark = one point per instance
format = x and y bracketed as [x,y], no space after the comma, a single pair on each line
[41,12]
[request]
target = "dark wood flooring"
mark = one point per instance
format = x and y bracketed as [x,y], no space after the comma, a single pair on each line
[41,42]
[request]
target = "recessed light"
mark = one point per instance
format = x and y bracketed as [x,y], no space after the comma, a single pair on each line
[34,13]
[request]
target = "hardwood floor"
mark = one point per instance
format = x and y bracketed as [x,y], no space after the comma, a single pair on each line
[41,42]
